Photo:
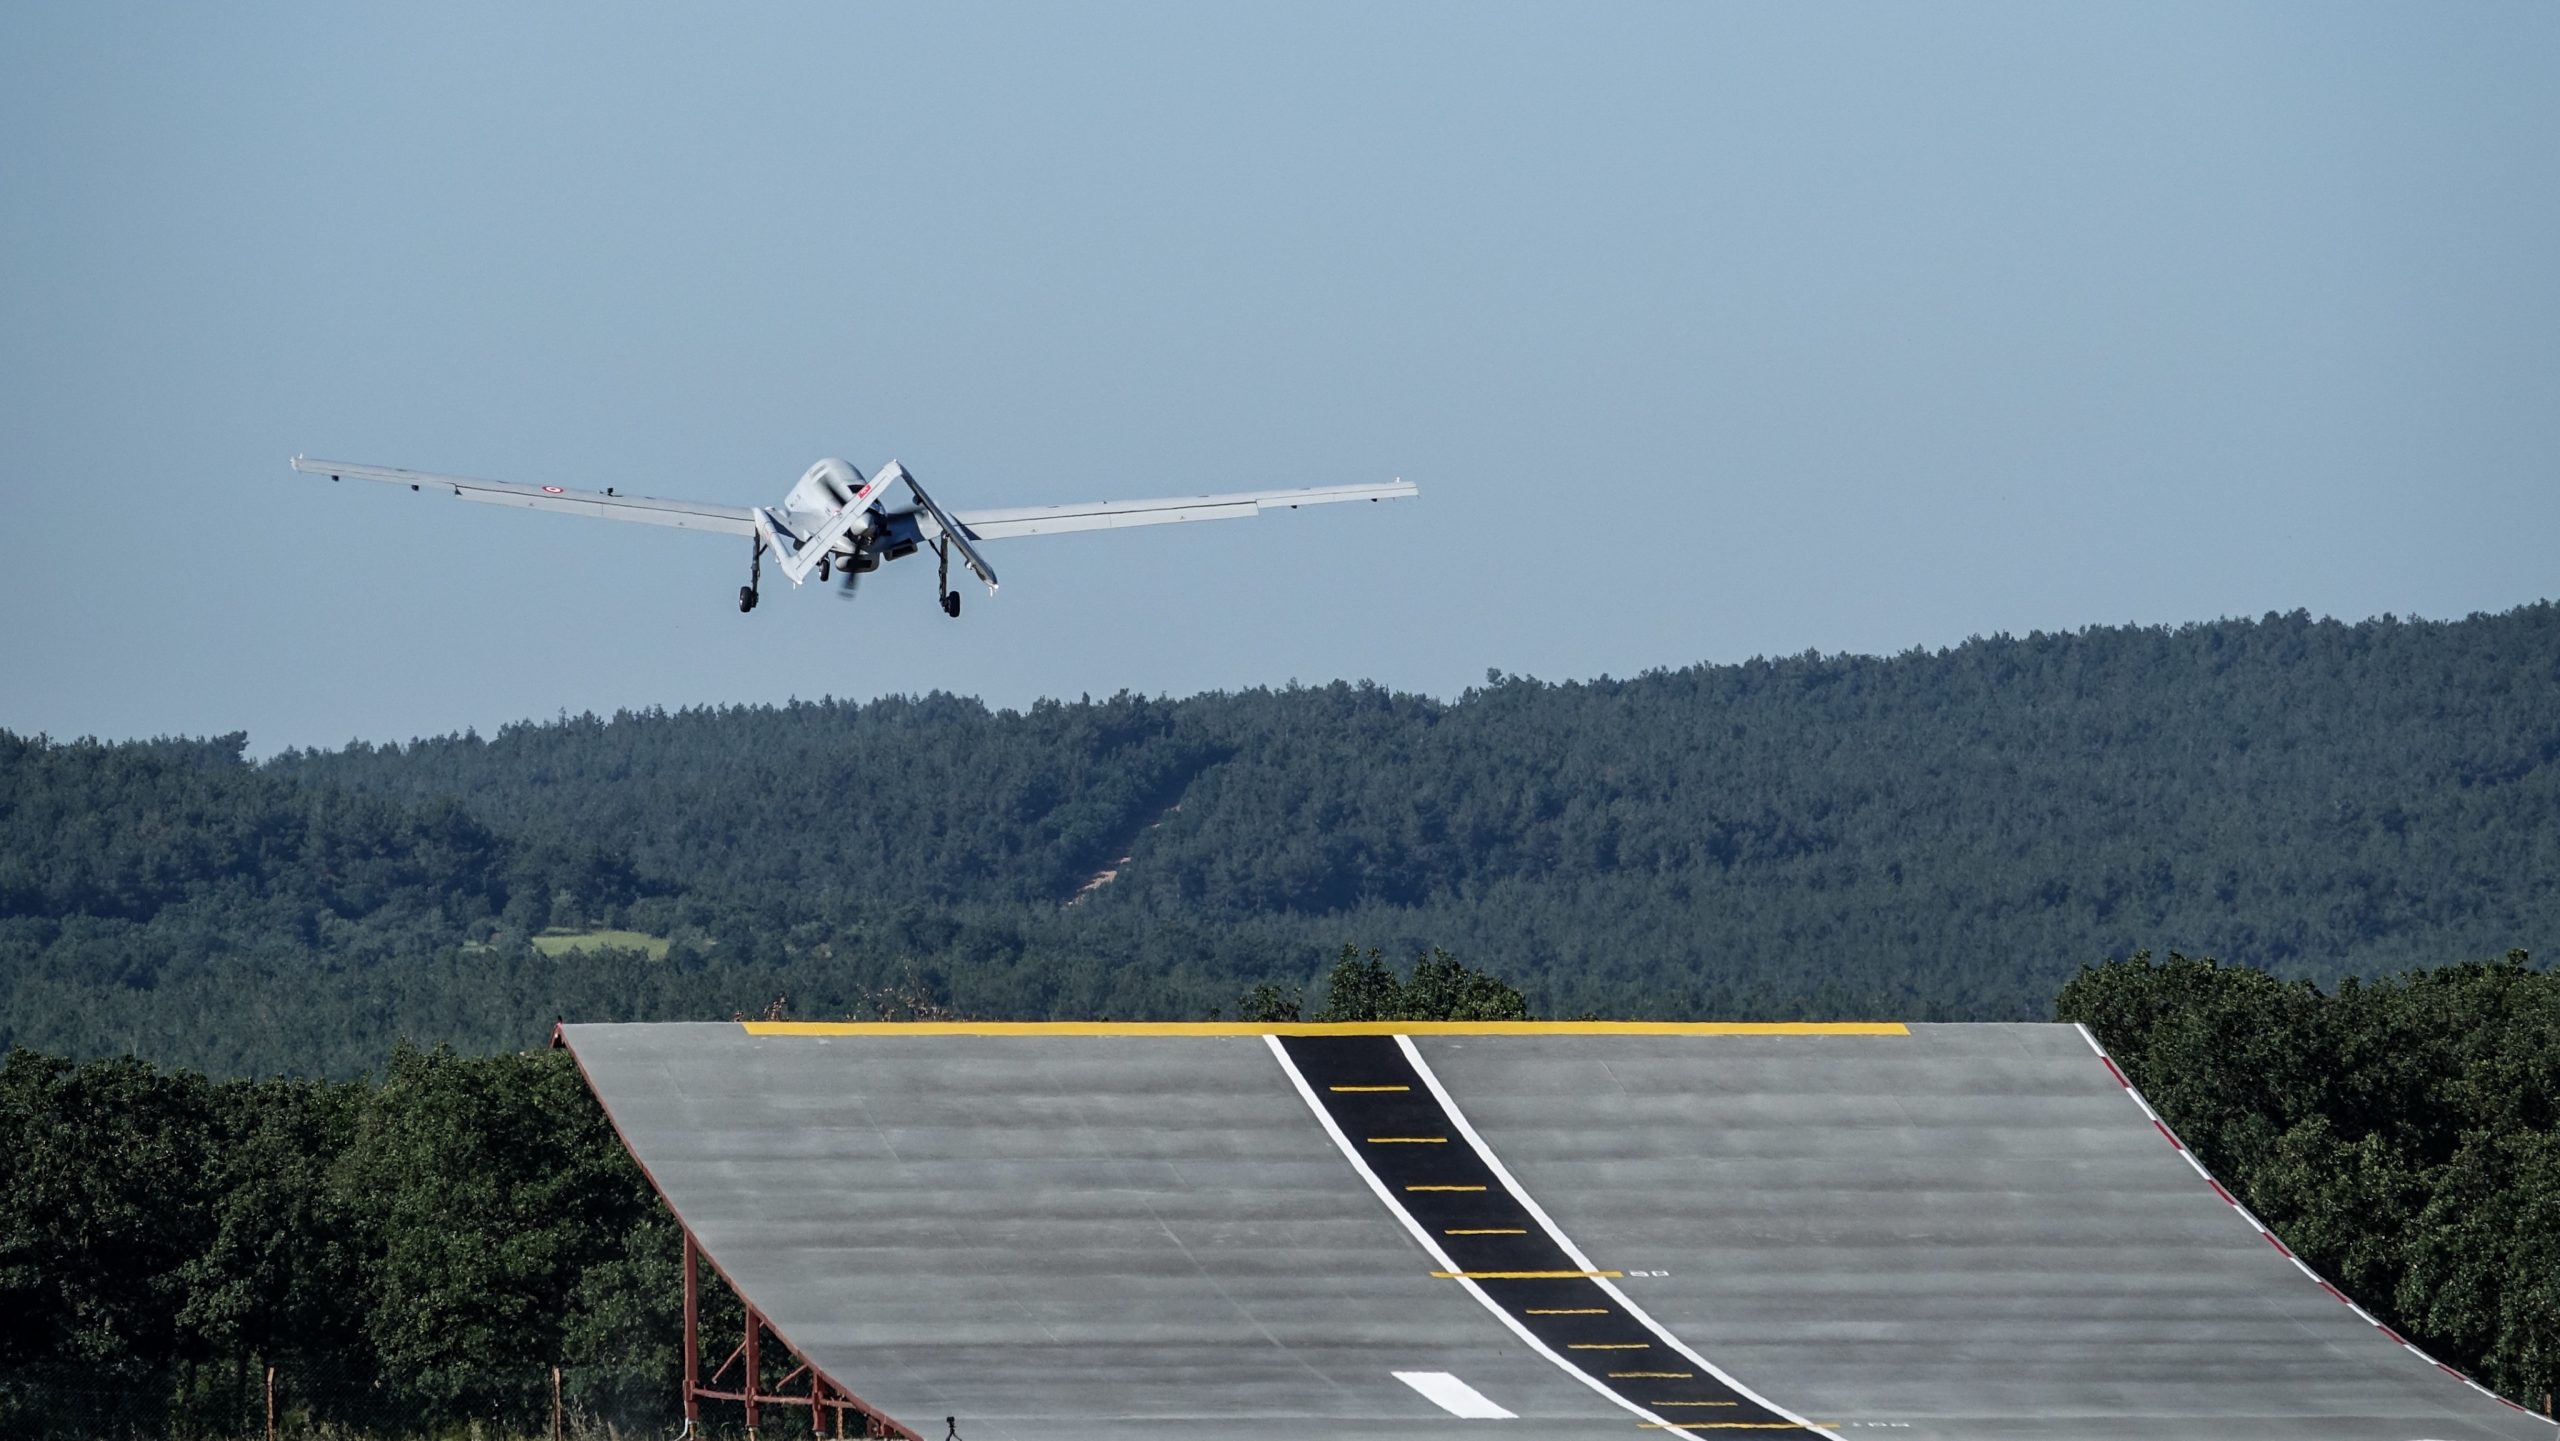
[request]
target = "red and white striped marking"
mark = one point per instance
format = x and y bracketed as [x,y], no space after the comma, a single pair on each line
[2260,1227]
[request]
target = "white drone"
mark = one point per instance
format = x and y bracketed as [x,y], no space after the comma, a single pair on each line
[835,521]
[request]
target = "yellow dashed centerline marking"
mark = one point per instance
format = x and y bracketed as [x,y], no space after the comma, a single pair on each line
[1368,1088]
[1408,1140]
[1572,1311]
[1693,1403]
[1651,1375]
[1610,1346]
[1733,1425]
[1521,1275]
[1485,1231]
[1444,1188]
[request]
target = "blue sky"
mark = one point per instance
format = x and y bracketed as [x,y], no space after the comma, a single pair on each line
[1708,331]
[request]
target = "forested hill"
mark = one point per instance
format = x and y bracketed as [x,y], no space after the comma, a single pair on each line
[1931,835]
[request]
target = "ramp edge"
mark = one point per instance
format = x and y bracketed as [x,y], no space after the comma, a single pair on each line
[2189,1156]
[560,1041]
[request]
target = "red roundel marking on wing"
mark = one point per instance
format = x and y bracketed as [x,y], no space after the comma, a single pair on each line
[553,490]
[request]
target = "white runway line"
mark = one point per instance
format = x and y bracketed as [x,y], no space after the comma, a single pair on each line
[1454,1396]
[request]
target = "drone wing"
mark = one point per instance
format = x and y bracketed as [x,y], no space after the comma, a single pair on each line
[1114,514]
[683,514]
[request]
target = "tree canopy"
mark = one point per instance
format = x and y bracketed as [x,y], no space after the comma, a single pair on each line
[1935,835]
[413,1250]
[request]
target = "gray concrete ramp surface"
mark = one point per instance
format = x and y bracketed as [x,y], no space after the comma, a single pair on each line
[1568,1230]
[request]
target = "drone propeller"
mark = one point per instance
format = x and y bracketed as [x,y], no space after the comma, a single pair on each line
[848,581]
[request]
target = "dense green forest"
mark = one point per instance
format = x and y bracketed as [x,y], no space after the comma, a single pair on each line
[1928,836]
[416,1250]
[408,1252]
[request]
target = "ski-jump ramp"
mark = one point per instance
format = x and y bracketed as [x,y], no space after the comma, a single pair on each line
[1079,1232]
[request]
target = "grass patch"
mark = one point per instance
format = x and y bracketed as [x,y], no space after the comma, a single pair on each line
[561,943]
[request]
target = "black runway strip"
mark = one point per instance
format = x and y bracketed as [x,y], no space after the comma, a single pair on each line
[1400,1131]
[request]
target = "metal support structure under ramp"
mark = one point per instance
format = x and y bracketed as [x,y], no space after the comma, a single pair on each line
[833,1410]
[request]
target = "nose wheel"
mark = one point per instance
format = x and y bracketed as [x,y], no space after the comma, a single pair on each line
[951,604]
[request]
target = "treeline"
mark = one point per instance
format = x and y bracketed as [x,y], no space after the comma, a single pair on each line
[2402,1135]
[169,900]
[412,1252]
[1927,836]
[1363,987]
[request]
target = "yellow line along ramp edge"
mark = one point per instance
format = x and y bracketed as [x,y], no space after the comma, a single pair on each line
[1326,1028]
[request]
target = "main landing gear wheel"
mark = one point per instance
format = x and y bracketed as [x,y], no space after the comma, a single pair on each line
[755,579]
[746,599]
[942,582]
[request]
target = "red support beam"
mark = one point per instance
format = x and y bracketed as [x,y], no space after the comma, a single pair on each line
[692,1340]
[824,1397]
[755,1376]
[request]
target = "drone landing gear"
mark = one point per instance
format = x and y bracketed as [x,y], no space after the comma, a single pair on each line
[747,594]
[950,597]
